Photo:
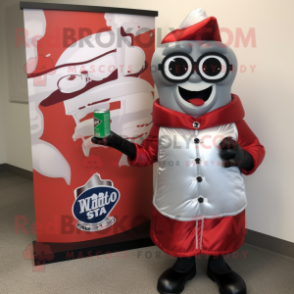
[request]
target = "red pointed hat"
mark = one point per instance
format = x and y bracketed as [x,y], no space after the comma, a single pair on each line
[196,27]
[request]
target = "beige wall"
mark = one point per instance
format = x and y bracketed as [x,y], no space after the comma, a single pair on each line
[2,135]
[14,116]
[267,96]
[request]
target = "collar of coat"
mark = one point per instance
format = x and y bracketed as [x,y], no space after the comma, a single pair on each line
[229,113]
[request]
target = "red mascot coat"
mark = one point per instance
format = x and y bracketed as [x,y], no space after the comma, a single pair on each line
[214,233]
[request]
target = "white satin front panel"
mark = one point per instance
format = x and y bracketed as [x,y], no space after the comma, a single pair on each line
[178,191]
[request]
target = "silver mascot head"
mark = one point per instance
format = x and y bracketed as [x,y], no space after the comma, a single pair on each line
[192,69]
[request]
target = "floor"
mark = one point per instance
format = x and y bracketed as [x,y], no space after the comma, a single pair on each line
[128,272]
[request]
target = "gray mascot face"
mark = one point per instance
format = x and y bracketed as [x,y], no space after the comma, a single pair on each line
[194,77]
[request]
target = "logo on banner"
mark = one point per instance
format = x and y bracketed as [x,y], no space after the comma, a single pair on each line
[97,122]
[94,202]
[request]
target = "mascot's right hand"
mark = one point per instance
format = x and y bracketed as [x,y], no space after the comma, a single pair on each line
[117,142]
[113,140]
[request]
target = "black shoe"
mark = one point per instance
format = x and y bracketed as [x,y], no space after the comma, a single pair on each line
[228,283]
[173,282]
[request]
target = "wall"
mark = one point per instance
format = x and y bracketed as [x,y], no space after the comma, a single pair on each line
[15,115]
[2,134]
[266,93]
[2,99]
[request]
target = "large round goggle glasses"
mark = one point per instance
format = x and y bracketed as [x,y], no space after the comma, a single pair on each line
[211,67]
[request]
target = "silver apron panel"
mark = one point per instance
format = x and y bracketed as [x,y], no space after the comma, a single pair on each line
[188,191]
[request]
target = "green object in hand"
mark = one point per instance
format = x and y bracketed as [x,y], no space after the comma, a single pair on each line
[101,123]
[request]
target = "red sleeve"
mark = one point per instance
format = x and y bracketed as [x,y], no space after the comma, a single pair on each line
[250,143]
[146,154]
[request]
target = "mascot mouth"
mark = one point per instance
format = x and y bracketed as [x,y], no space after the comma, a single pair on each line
[196,98]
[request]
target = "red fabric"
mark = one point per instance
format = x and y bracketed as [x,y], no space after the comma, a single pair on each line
[206,30]
[147,152]
[231,112]
[219,235]
[250,143]
[216,236]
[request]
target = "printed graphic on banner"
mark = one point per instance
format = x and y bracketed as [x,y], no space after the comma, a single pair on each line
[80,62]
[94,202]
[97,122]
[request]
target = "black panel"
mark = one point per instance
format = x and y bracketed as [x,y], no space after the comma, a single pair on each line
[137,237]
[70,7]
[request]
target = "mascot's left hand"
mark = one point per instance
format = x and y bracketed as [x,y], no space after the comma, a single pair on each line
[233,155]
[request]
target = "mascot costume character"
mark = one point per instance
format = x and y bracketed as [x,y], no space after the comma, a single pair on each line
[203,146]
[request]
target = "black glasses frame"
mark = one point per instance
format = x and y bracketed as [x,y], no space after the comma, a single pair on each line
[195,67]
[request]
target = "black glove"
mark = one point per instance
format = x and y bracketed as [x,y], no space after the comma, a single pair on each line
[234,155]
[117,142]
